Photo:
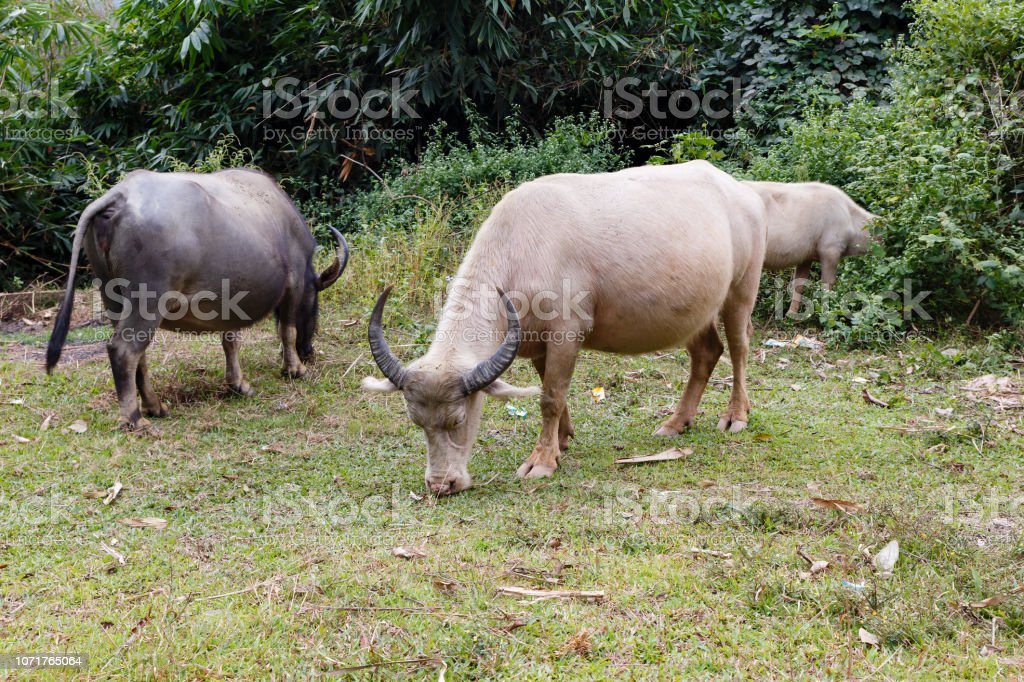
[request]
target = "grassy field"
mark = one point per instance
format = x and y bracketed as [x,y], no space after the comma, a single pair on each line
[283,512]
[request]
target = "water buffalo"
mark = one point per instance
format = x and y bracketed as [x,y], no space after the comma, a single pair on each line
[807,222]
[628,262]
[200,253]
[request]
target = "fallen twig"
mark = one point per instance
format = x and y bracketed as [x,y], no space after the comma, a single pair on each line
[596,595]
[872,400]
[251,588]
[666,456]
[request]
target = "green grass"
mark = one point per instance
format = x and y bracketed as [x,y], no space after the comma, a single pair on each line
[283,510]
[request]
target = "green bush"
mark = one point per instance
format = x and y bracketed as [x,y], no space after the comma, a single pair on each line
[790,54]
[466,175]
[36,127]
[942,163]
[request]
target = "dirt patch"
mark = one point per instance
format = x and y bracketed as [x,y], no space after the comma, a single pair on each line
[26,305]
[33,312]
[81,352]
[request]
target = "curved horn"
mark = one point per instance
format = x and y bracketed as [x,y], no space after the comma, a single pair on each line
[490,369]
[333,272]
[390,365]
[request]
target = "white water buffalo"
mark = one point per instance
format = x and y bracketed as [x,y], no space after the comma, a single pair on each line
[807,222]
[628,262]
[196,253]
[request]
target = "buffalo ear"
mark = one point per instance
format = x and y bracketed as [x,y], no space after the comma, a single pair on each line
[377,385]
[504,391]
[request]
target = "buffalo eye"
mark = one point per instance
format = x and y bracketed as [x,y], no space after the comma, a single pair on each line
[454,420]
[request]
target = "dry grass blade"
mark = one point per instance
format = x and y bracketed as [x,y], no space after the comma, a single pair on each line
[596,595]
[420,662]
[666,456]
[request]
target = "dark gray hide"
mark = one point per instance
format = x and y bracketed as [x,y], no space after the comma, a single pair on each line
[172,249]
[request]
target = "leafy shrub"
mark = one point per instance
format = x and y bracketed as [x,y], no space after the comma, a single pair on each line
[790,54]
[685,147]
[170,76]
[942,164]
[467,175]
[36,124]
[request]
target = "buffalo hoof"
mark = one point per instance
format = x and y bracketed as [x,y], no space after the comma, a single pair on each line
[159,413]
[666,430]
[730,425]
[243,389]
[295,372]
[535,470]
[138,423]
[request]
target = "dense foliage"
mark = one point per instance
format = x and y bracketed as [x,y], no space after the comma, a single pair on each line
[35,118]
[342,100]
[788,55]
[943,163]
[304,82]
[460,173]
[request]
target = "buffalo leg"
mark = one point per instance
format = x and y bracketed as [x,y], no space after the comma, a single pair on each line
[126,349]
[803,271]
[231,342]
[829,266]
[151,405]
[559,362]
[565,430]
[705,348]
[736,316]
[288,311]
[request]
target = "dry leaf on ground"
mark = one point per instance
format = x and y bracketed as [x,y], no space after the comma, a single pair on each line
[994,600]
[868,638]
[1003,391]
[145,522]
[666,456]
[579,643]
[839,505]
[408,552]
[78,426]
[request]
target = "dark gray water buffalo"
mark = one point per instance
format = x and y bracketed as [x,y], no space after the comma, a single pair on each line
[196,253]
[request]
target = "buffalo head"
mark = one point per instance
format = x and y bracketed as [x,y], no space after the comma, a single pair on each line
[443,392]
